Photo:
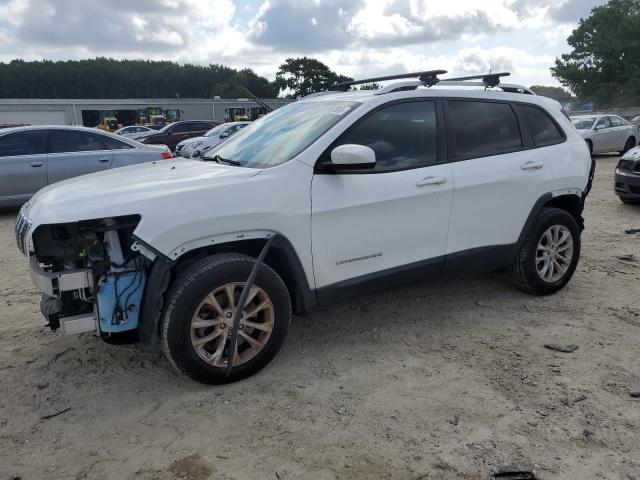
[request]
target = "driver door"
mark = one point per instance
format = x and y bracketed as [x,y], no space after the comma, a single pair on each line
[391,221]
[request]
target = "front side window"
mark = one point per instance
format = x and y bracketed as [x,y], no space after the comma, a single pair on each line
[63,141]
[179,128]
[542,129]
[604,122]
[23,143]
[278,137]
[403,136]
[481,129]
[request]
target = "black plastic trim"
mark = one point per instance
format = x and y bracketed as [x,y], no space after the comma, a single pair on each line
[153,300]
[392,277]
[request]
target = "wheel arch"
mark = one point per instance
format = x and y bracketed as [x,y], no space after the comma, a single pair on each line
[281,257]
[570,201]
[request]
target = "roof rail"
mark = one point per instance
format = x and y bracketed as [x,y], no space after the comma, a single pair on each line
[428,78]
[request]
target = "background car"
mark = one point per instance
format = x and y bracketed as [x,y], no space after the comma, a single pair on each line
[606,133]
[132,131]
[173,133]
[34,157]
[627,177]
[213,137]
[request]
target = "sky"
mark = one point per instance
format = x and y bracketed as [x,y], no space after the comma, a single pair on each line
[359,38]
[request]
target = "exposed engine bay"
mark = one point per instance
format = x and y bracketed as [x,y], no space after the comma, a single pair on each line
[95,280]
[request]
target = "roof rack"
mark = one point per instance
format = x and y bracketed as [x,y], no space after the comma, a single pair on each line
[428,78]
[491,79]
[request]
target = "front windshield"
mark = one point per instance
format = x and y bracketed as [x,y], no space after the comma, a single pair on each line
[215,130]
[583,123]
[281,135]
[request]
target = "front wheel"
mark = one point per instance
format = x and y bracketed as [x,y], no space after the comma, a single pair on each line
[199,314]
[549,254]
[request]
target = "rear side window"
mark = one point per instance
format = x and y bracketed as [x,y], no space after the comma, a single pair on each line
[181,128]
[114,144]
[616,121]
[403,135]
[542,129]
[482,129]
[200,126]
[23,143]
[64,141]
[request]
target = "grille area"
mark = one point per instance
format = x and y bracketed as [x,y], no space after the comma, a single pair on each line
[22,228]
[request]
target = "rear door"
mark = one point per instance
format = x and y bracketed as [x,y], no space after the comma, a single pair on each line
[23,168]
[498,177]
[76,152]
[621,130]
[603,136]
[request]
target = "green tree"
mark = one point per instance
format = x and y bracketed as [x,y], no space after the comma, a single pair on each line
[302,76]
[557,93]
[604,65]
[370,86]
[109,78]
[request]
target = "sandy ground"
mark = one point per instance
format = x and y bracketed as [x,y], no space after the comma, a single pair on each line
[442,380]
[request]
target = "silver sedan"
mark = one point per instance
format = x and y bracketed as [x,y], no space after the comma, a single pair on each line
[606,133]
[34,157]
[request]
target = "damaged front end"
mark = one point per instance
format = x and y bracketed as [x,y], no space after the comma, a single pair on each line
[91,278]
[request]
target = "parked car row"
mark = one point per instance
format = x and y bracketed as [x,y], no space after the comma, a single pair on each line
[34,157]
[196,146]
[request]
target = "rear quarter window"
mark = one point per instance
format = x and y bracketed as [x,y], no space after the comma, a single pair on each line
[543,130]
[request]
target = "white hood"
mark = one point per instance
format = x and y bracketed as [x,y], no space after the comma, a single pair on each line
[156,191]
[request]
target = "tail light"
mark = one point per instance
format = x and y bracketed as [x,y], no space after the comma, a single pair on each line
[166,155]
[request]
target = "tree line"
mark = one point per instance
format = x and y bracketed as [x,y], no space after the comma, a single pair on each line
[109,78]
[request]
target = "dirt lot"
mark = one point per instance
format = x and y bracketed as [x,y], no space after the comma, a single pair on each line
[441,380]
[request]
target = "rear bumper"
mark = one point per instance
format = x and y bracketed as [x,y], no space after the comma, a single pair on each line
[627,184]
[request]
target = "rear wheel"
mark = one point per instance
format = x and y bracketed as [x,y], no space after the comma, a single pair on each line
[549,254]
[199,315]
[631,142]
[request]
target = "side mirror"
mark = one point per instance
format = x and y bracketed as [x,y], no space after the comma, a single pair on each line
[225,135]
[352,157]
[600,127]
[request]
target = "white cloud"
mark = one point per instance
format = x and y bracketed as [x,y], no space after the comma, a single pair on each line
[354,37]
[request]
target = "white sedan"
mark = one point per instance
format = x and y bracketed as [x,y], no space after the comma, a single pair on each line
[213,137]
[606,133]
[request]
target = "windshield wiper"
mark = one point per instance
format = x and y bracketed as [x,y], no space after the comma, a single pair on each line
[219,159]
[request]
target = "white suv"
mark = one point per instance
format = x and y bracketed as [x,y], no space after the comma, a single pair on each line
[328,197]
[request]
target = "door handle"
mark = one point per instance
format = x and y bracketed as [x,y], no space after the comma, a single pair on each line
[103,159]
[431,181]
[532,166]
[36,164]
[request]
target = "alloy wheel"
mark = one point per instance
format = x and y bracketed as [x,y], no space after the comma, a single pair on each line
[554,253]
[213,318]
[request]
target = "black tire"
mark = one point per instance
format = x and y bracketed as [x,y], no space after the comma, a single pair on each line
[185,296]
[524,272]
[630,143]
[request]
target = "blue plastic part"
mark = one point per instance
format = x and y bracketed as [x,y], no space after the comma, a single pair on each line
[130,287]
